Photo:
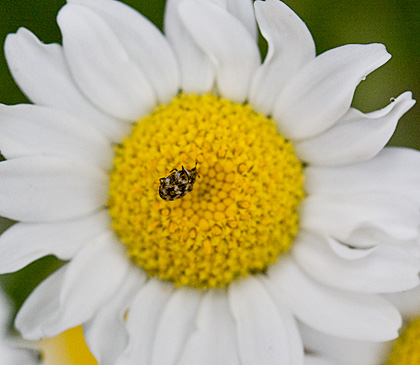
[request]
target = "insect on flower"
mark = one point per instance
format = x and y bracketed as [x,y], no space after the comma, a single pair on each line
[178,183]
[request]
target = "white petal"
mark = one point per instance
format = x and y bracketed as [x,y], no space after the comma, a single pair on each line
[363,241]
[321,93]
[143,42]
[363,317]
[214,341]
[340,215]
[101,67]
[14,354]
[142,321]
[244,12]
[13,350]
[175,325]
[293,335]
[42,73]
[197,71]
[24,243]
[241,10]
[392,171]
[261,332]
[38,307]
[386,269]
[27,130]
[73,294]
[226,42]
[407,302]
[290,46]
[106,333]
[317,360]
[357,136]
[41,188]
[348,252]
[89,278]
[369,237]
[345,351]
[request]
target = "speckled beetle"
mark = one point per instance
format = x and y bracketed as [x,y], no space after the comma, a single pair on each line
[178,183]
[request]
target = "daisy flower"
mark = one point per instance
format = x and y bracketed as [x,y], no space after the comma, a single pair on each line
[205,201]
[13,351]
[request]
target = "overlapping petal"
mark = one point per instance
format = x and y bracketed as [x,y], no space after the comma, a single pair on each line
[261,333]
[13,350]
[311,359]
[290,47]
[231,48]
[293,336]
[368,237]
[197,70]
[321,93]
[385,269]
[408,302]
[244,12]
[28,130]
[356,137]
[340,351]
[24,243]
[175,325]
[106,333]
[42,73]
[75,292]
[340,215]
[142,321]
[214,339]
[45,189]
[394,171]
[143,42]
[339,313]
[108,77]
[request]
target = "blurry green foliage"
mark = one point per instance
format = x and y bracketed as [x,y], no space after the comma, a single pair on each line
[395,23]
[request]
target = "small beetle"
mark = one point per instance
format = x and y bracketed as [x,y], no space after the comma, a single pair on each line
[178,183]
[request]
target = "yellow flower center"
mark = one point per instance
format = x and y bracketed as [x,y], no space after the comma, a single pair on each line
[406,349]
[242,211]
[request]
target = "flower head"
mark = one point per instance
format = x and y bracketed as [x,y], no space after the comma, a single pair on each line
[299,216]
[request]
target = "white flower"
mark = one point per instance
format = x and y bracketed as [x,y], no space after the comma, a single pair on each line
[358,223]
[13,351]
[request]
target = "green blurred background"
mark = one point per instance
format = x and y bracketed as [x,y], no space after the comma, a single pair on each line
[395,23]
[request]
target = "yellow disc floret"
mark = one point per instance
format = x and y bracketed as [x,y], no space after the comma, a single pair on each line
[242,211]
[406,350]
